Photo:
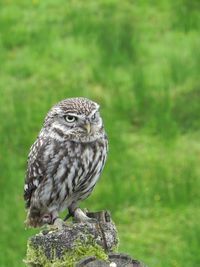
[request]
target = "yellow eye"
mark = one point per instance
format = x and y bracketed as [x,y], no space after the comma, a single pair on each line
[70,118]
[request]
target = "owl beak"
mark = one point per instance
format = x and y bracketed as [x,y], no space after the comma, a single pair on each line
[87,127]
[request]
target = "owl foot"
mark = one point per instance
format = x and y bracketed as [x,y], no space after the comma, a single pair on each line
[81,217]
[47,228]
[57,225]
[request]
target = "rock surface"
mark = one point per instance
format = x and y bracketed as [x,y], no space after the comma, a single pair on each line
[114,260]
[74,242]
[79,245]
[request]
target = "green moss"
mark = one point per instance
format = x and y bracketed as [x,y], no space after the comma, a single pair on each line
[115,248]
[36,257]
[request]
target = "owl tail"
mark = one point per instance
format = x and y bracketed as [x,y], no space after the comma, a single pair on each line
[34,218]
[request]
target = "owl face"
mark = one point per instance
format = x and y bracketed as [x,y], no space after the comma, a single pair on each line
[83,123]
[77,118]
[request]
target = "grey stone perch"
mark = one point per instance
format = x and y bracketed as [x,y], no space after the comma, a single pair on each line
[79,245]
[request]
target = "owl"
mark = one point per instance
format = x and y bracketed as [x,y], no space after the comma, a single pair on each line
[65,161]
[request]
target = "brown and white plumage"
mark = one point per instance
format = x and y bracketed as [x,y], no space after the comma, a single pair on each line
[65,161]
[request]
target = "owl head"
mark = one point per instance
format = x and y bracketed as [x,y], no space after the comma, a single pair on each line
[77,119]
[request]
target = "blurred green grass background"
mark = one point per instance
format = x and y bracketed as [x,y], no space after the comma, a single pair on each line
[140,60]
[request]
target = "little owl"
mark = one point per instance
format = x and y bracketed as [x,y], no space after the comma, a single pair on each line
[65,162]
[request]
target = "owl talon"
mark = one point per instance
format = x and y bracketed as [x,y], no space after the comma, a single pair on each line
[59,224]
[48,228]
[91,220]
[81,217]
[45,229]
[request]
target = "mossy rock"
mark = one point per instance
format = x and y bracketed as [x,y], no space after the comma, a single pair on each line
[37,257]
[74,242]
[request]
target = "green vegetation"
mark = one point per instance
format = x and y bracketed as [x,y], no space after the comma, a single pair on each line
[140,60]
[80,251]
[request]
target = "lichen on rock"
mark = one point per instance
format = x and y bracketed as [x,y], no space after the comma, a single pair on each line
[37,258]
[74,242]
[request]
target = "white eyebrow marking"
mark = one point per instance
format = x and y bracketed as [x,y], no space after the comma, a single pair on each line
[94,111]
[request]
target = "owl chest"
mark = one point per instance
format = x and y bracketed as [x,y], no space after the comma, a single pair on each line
[89,165]
[72,173]
[86,166]
[75,169]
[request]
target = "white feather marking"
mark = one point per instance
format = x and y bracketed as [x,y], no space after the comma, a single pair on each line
[71,176]
[44,195]
[36,182]
[48,151]
[25,187]
[61,168]
[60,127]
[62,192]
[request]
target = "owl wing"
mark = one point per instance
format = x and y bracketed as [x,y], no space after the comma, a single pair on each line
[35,169]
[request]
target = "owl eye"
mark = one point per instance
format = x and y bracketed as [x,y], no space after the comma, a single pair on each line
[93,116]
[70,118]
